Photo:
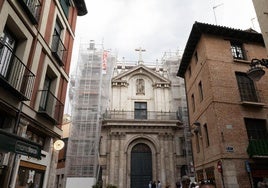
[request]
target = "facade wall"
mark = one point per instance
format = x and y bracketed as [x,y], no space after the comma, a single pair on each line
[30,113]
[222,109]
[121,131]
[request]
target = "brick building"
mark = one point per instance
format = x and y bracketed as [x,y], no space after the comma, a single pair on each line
[36,40]
[227,110]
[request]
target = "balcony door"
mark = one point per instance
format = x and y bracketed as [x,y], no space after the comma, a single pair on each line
[6,52]
[45,94]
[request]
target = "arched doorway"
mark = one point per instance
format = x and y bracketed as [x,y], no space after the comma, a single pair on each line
[141,166]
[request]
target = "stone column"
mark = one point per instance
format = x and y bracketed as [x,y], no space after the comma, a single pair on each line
[112,158]
[161,176]
[122,162]
[171,160]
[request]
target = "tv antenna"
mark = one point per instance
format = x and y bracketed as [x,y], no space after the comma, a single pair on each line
[215,13]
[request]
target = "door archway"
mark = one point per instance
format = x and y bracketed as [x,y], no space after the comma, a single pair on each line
[141,166]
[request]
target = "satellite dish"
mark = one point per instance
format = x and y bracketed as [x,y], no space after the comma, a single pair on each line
[58,145]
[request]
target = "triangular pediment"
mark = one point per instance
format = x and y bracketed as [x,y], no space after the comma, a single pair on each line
[140,69]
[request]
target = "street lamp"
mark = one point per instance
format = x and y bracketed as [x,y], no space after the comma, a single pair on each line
[58,145]
[256,70]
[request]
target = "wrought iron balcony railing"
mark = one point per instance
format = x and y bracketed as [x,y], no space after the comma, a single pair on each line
[14,74]
[58,50]
[50,106]
[132,115]
[32,8]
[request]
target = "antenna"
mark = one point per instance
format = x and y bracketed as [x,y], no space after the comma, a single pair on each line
[214,11]
[252,22]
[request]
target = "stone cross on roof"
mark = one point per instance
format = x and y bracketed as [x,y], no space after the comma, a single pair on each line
[140,50]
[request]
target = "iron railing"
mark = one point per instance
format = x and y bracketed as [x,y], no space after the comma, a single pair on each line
[15,74]
[32,8]
[132,115]
[50,106]
[58,49]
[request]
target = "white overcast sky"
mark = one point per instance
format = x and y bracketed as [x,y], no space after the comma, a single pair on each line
[156,25]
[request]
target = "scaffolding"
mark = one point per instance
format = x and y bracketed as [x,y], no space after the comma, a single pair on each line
[89,94]
[171,62]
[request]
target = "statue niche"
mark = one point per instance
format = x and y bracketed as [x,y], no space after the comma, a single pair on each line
[140,87]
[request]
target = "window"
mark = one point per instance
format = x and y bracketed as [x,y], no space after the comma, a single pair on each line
[57,33]
[200,91]
[6,53]
[29,177]
[65,5]
[206,135]
[246,87]
[193,103]
[140,87]
[183,146]
[58,48]
[45,94]
[196,57]
[256,128]
[140,110]
[32,9]
[12,70]
[237,50]
[35,136]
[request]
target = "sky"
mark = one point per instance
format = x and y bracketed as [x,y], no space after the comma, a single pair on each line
[157,26]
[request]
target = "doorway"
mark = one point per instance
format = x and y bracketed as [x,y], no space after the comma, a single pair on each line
[141,166]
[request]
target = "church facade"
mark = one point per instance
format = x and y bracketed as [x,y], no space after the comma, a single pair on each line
[142,138]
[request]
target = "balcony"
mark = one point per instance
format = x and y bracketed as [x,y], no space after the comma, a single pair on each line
[58,50]
[50,106]
[132,115]
[258,148]
[32,8]
[14,75]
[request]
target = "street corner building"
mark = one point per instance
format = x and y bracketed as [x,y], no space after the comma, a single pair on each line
[36,41]
[227,107]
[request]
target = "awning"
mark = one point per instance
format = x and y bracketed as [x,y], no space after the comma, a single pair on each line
[13,143]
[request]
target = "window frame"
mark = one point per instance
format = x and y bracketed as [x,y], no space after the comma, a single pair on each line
[140,110]
[193,102]
[200,88]
[205,127]
[256,128]
[246,88]
[237,50]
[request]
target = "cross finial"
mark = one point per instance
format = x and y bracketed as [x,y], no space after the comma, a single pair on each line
[140,50]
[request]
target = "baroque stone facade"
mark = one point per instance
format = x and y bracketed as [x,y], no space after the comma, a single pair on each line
[141,139]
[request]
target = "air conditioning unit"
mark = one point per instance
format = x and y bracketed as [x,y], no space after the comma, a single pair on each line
[4,159]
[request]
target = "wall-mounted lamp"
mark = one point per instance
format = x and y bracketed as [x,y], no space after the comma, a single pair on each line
[58,145]
[256,69]
[197,124]
[197,127]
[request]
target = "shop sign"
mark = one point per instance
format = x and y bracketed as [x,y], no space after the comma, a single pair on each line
[24,148]
[14,143]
